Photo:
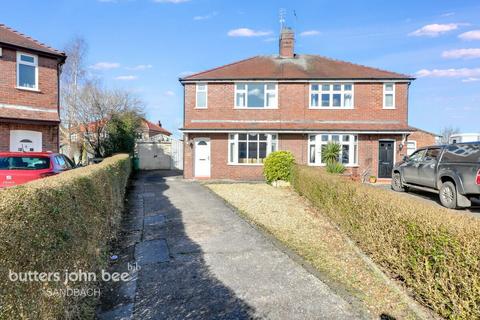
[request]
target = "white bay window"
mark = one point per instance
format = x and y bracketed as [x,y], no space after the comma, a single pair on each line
[250,148]
[331,95]
[256,95]
[348,145]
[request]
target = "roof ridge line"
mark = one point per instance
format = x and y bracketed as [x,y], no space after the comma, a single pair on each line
[220,67]
[30,38]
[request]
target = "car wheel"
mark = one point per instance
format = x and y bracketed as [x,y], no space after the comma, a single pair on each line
[448,195]
[397,184]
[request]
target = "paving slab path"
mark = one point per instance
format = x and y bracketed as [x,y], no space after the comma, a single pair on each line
[198,259]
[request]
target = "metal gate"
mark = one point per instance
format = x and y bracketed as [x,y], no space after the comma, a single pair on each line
[158,155]
[177,154]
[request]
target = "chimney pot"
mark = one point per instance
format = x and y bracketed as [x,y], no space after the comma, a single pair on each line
[287,41]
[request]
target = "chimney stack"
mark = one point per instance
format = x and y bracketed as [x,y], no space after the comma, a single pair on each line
[287,40]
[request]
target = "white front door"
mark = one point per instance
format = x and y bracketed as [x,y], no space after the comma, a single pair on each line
[25,141]
[202,157]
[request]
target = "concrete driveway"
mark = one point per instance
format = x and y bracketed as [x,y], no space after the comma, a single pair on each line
[432,198]
[198,259]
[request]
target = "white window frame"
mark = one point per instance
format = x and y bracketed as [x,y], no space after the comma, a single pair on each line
[245,91]
[342,93]
[197,91]
[272,145]
[33,64]
[353,154]
[385,92]
[414,142]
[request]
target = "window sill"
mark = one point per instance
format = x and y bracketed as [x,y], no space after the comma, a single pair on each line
[324,165]
[256,108]
[246,164]
[200,108]
[28,89]
[389,108]
[331,108]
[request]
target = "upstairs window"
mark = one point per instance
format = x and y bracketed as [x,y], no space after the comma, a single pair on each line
[331,95]
[256,95]
[250,148]
[389,95]
[201,96]
[27,71]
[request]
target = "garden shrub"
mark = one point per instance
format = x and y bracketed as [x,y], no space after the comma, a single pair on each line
[278,166]
[433,251]
[335,167]
[55,224]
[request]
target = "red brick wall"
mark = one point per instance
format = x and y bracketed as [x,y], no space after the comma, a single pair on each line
[294,104]
[422,138]
[296,143]
[47,97]
[49,135]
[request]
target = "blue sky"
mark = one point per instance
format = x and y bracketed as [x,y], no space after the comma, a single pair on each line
[145,45]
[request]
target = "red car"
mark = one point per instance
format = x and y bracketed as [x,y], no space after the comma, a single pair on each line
[21,167]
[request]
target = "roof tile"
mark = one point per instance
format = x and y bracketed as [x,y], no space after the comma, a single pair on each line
[15,38]
[299,67]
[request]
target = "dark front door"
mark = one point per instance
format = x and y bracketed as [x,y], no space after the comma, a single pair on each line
[385,159]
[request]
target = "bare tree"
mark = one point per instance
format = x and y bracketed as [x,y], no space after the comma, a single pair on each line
[97,105]
[446,133]
[73,77]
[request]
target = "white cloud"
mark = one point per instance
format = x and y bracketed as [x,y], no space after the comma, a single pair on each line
[171,1]
[126,78]
[471,79]
[105,65]
[447,14]
[462,53]
[434,30]
[205,17]
[140,67]
[169,93]
[470,35]
[246,32]
[450,73]
[309,33]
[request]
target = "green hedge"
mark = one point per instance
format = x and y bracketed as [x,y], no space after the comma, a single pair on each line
[278,166]
[57,223]
[433,251]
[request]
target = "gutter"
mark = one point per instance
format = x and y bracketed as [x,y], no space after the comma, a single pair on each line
[300,131]
[303,80]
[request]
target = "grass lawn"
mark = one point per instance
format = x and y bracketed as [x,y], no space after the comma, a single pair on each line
[290,219]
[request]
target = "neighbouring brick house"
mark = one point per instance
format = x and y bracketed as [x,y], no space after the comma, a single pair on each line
[236,114]
[29,93]
[153,131]
[421,138]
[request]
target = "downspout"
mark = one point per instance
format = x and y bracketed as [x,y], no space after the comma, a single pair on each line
[59,72]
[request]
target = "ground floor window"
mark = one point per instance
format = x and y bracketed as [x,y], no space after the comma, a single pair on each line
[250,148]
[348,153]
[411,147]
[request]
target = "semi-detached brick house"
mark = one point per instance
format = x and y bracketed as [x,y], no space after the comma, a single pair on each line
[29,93]
[235,115]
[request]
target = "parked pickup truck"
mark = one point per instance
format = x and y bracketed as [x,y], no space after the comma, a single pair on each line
[452,171]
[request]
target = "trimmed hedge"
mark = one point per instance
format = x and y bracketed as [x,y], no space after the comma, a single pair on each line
[278,166]
[58,223]
[434,252]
